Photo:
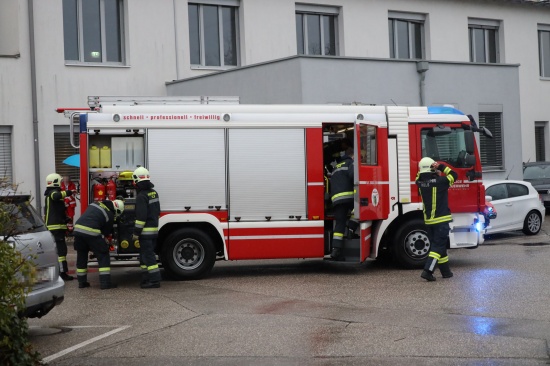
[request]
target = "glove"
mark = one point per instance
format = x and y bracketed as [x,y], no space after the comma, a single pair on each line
[135,237]
[68,192]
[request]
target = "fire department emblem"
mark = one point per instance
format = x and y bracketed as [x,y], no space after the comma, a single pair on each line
[375,197]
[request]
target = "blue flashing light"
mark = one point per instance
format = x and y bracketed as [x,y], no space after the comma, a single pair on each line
[479,227]
[444,110]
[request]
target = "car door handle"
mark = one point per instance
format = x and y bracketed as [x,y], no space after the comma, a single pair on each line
[509,204]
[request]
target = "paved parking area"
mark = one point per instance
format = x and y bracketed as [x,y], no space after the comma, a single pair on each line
[496,310]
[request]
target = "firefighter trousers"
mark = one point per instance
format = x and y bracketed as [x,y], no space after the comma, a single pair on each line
[148,261]
[340,211]
[96,244]
[61,244]
[439,236]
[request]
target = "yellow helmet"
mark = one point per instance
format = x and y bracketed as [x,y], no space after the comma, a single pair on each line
[53,180]
[140,174]
[425,165]
[119,207]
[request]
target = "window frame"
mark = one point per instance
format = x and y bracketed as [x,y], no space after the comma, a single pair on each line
[6,132]
[202,53]
[540,140]
[80,45]
[543,73]
[411,19]
[486,35]
[332,13]
[483,140]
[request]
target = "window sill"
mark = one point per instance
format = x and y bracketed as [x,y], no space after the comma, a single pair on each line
[96,64]
[544,78]
[214,68]
[493,170]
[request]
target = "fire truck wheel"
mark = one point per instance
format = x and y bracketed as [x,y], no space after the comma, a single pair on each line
[188,253]
[411,244]
[532,223]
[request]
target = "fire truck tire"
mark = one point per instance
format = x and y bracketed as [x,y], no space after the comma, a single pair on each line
[188,254]
[411,244]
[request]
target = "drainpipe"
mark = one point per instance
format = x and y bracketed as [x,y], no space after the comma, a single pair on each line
[421,68]
[34,106]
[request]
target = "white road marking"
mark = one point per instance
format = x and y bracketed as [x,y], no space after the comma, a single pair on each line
[83,344]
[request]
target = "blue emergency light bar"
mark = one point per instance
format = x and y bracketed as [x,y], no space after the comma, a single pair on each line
[444,110]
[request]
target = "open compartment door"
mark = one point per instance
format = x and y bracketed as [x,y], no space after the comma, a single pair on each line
[371,178]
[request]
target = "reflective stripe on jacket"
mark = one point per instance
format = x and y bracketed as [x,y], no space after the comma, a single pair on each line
[341,181]
[434,189]
[54,209]
[147,213]
[97,220]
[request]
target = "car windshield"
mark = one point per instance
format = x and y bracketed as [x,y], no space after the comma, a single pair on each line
[536,172]
[23,217]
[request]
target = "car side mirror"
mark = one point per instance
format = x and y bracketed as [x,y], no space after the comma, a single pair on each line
[469,141]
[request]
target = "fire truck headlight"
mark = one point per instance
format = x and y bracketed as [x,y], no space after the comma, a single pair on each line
[479,227]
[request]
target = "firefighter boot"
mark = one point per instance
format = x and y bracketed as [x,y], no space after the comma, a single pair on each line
[445,270]
[337,250]
[83,281]
[105,282]
[427,275]
[64,268]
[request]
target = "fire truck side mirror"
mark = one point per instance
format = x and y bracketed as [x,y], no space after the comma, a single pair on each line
[469,141]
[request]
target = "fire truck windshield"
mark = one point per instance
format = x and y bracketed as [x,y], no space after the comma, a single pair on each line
[449,148]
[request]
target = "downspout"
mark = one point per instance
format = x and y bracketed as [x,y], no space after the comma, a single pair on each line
[34,106]
[176,41]
[421,68]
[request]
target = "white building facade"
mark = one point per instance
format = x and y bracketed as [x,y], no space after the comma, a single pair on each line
[56,53]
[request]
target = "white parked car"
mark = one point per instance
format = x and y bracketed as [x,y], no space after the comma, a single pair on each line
[517,204]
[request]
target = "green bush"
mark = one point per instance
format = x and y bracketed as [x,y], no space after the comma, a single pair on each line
[16,274]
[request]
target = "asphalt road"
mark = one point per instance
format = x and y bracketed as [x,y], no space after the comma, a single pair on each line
[494,311]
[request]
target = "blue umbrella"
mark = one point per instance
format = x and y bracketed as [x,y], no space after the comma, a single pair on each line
[73,160]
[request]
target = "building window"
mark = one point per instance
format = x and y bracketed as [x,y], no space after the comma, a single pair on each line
[544,50]
[213,35]
[63,150]
[6,163]
[406,35]
[316,30]
[484,40]
[93,31]
[491,148]
[540,146]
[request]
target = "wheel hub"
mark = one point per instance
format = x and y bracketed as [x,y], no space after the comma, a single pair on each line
[417,244]
[188,254]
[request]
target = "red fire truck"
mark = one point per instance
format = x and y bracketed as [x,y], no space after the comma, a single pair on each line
[249,181]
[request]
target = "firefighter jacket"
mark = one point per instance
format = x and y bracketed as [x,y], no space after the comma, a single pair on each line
[54,208]
[147,210]
[97,220]
[434,191]
[341,181]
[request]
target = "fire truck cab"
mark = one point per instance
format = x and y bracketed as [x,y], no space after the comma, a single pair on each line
[243,182]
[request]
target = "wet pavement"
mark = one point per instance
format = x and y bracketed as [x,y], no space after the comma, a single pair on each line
[494,311]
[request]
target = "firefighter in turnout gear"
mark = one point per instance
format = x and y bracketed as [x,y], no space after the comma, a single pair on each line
[341,194]
[89,232]
[434,189]
[146,227]
[56,220]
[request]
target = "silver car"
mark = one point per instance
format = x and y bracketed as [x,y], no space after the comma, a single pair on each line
[36,243]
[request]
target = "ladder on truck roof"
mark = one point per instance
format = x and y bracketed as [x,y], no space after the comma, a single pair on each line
[96,102]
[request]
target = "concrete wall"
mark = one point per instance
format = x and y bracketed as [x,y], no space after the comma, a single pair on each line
[469,87]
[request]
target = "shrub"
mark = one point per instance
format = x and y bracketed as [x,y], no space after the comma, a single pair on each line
[16,274]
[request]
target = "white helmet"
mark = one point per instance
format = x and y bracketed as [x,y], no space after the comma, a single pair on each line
[53,180]
[119,207]
[425,165]
[140,174]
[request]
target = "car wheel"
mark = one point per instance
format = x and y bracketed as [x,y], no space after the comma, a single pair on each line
[411,244]
[532,223]
[188,253]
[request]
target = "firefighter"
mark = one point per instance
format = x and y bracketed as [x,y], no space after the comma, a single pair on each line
[89,232]
[146,227]
[56,220]
[433,189]
[70,202]
[341,193]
